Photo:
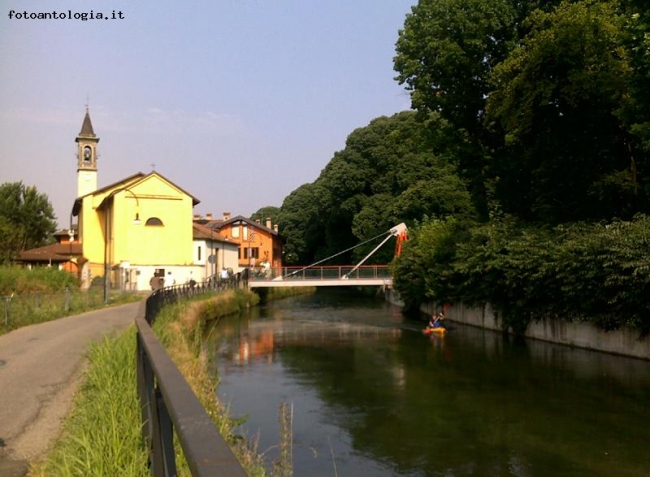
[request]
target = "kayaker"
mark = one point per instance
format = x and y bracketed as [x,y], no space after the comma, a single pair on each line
[436,320]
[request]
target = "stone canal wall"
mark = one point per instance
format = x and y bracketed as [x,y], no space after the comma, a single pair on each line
[624,341]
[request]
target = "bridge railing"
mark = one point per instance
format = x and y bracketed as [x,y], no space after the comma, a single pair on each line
[168,403]
[331,272]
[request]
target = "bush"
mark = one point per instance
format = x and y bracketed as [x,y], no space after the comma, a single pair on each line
[21,280]
[579,272]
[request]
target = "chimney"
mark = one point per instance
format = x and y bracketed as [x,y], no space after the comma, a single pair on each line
[268,222]
[226,216]
[208,216]
[275,228]
[197,216]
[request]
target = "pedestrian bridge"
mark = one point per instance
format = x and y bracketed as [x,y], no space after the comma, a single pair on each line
[333,275]
[327,276]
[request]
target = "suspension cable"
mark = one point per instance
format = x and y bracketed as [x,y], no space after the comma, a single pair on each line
[337,254]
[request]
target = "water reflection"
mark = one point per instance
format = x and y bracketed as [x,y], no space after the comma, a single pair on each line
[373,396]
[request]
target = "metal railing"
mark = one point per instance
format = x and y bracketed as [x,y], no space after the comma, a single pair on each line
[168,403]
[340,272]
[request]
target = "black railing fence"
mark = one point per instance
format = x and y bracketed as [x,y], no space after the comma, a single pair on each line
[168,403]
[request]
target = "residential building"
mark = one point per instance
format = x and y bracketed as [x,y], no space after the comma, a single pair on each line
[260,246]
[65,254]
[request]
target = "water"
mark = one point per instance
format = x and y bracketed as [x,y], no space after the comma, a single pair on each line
[372,396]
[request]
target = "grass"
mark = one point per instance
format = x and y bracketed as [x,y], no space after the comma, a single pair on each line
[181,328]
[20,280]
[101,436]
[29,297]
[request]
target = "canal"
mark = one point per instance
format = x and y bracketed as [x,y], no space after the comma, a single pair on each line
[370,395]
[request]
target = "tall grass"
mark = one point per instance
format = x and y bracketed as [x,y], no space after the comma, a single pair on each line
[34,296]
[181,328]
[102,437]
[19,280]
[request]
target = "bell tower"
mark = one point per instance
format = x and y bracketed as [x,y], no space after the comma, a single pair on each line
[86,158]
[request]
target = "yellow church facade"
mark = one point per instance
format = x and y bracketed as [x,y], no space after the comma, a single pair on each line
[136,228]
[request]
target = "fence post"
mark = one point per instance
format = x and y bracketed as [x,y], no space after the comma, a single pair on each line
[67,299]
[6,300]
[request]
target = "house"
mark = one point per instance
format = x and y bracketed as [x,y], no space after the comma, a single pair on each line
[65,254]
[260,246]
[213,251]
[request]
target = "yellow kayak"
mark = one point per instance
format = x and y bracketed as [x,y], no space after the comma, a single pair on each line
[437,331]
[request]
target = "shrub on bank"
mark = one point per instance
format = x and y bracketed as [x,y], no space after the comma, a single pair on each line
[597,273]
[20,280]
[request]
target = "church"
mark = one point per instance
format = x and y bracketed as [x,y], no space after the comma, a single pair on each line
[139,227]
[143,226]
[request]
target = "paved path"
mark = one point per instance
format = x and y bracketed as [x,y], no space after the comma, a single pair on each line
[40,367]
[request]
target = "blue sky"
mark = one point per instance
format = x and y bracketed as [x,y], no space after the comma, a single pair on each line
[239,102]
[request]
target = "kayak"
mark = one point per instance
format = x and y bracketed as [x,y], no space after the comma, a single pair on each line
[437,331]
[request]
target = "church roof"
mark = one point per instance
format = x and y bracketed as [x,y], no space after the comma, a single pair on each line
[87,127]
[127,183]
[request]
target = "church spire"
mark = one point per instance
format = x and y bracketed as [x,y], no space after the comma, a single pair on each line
[87,126]
[86,157]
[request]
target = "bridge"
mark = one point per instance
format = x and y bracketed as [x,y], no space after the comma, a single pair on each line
[325,276]
[333,276]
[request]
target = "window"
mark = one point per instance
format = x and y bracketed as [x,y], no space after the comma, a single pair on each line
[153,221]
[234,231]
[253,252]
[198,258]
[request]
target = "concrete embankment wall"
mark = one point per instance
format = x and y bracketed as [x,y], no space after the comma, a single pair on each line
[624,341]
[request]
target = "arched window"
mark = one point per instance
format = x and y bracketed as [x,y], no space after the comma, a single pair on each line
[153,221]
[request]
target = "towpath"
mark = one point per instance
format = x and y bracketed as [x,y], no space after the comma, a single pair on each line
[40,370]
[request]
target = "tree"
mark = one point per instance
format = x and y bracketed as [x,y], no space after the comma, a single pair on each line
[264,213]
[566,155]
[301,225]
[26,219]
[387,174]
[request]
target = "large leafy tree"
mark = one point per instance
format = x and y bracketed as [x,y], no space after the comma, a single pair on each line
[567,156]
[301,225]
[26,219]
[445,56]
[387,174]
[635,112]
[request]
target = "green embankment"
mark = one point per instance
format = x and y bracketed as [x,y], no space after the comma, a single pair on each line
[101,436]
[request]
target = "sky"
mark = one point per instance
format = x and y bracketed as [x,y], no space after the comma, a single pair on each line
[238,102]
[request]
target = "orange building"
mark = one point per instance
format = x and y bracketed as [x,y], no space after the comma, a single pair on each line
[260,246]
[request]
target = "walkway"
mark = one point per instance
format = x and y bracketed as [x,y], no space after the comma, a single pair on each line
[326,276]
[40,370]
